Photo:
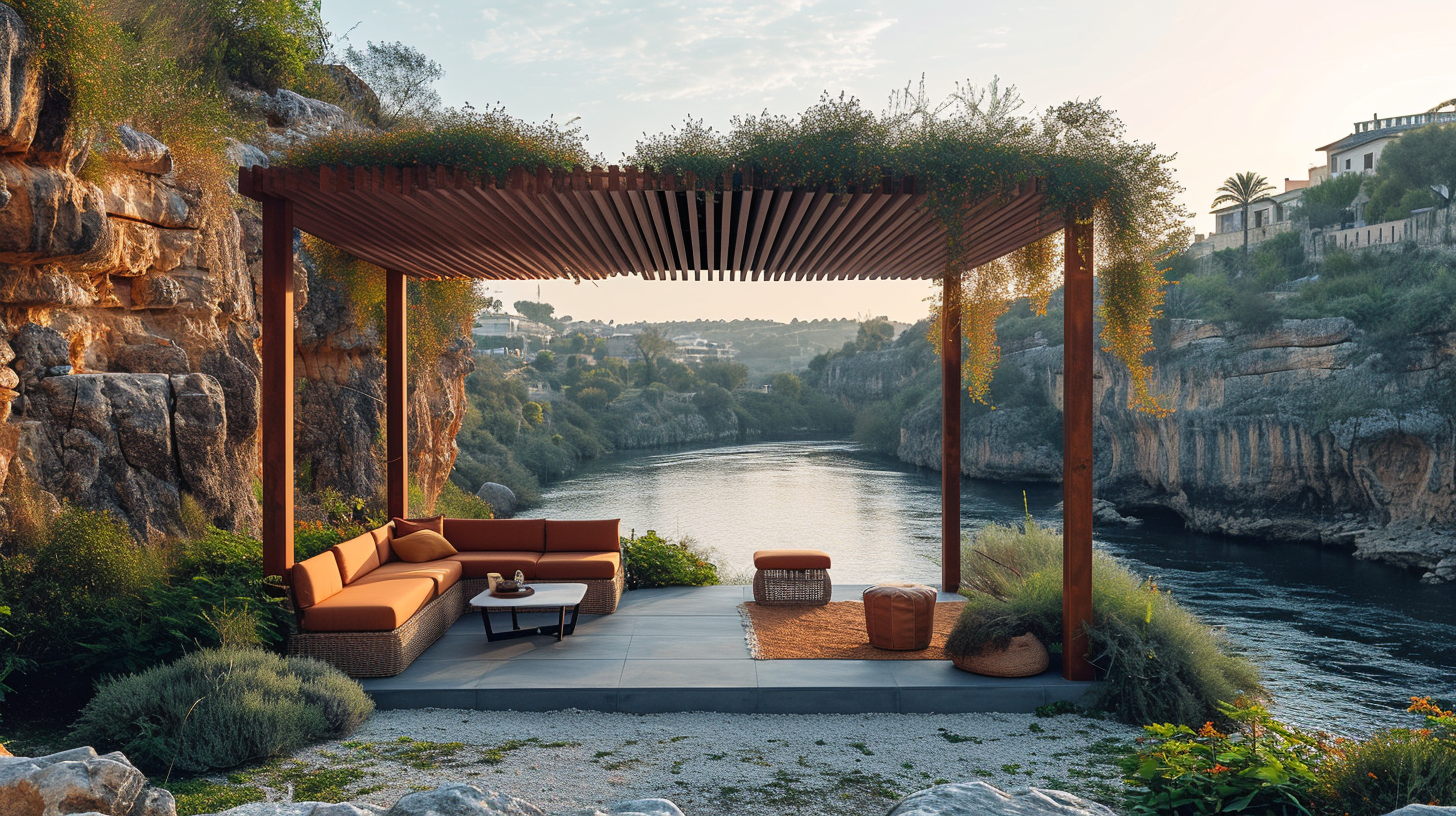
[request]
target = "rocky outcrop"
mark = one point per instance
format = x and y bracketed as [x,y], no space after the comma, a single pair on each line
[1300,432]
[502,499]
[78,781]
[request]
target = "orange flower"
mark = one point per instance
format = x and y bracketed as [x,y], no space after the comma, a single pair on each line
[1219,769]
[1209,731]
[1372,775]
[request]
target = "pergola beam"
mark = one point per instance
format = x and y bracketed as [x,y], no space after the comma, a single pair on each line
[950,434]
[396,395]
[1077,351]
[276,411]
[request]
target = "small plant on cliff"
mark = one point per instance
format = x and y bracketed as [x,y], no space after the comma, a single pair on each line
[219,708]
[1157,662]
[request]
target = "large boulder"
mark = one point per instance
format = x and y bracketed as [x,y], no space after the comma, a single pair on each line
[500,498]
[79,781]
[462,800]
[981,799]
[1423,810]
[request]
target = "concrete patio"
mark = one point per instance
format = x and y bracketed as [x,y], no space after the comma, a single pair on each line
[683,649]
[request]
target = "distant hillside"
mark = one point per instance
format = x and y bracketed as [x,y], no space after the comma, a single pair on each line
[768,347]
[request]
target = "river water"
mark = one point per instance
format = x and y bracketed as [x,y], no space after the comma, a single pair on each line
[1342,642]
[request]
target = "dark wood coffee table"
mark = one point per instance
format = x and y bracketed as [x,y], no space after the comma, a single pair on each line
[547,596]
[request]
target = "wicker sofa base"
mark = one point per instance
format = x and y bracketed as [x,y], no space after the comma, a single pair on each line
[602,594]
[778,587]
[383,654]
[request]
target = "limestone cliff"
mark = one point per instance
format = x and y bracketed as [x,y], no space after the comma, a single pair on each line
[129,329]
[1301,432]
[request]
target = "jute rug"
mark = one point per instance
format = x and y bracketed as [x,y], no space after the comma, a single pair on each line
[835,631]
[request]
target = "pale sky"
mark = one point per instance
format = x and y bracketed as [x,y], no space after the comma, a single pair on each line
[1228,86]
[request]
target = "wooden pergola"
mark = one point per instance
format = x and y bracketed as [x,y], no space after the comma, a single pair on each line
[436,223]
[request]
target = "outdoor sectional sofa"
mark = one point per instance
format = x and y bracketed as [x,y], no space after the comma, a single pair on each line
[361,608]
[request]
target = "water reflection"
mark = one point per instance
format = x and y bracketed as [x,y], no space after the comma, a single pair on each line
[1342,642]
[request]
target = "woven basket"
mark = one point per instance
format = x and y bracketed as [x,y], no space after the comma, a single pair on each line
[1024,656]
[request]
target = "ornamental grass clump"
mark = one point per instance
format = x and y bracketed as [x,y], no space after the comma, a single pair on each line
[1156,661]
[220,708]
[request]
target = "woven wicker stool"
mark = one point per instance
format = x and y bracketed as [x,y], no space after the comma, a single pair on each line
[899,617]
[791,578]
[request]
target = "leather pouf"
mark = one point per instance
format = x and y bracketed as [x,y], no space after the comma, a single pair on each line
[899,617]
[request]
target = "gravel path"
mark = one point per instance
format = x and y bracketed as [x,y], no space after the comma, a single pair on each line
[716,764]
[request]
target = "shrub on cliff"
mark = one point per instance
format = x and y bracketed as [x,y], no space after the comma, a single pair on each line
[220,708]
[1157,662]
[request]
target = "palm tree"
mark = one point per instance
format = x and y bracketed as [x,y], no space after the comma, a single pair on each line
[1243,189]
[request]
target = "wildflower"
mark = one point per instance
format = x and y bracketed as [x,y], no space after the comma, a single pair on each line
[1209,731]
[1218,768]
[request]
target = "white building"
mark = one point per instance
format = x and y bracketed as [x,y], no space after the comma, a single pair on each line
[693,348]
[1360,151]
[489,324]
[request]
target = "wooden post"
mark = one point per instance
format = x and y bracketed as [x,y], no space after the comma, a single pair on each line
[396,428]
[950,434]
[1077,451]
[277,386]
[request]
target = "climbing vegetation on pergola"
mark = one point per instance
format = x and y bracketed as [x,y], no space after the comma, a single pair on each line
[973,144]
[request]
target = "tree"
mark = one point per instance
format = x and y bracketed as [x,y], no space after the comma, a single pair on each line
[1327,204]
[724,374]
[1243,189]
[402,77]
[1418,161]
[545,360]
[786,386]
[539,312]
[653,347]
[875,334]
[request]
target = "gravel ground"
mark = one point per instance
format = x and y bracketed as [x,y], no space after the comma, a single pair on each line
[712,764]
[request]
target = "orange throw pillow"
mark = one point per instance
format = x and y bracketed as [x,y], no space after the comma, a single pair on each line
[403,527]
[425,545]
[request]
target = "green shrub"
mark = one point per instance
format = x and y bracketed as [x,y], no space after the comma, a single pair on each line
[220,708]
[1392,769]
[1262,767]
[1157,661]
[456,503]
[653,561]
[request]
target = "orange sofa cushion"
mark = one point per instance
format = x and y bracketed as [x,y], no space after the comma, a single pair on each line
[581,566]
[481,564]
[445,574]
[791,559]
[379,606]
[403,527]
[583,536]
[497,535]
[381,536]
[315,579]
[422,546]
[357,557]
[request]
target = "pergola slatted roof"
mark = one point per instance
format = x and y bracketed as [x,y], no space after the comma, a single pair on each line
[438,222]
